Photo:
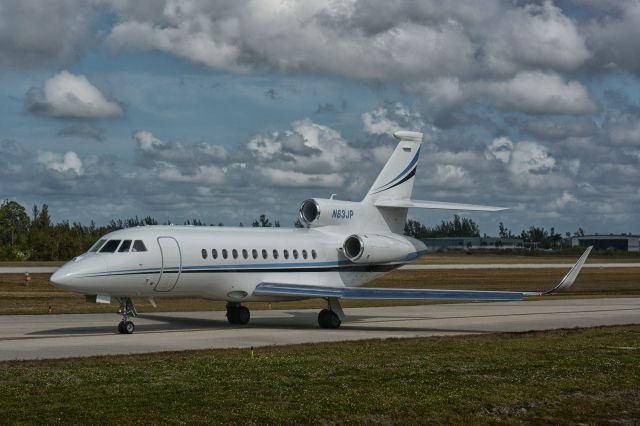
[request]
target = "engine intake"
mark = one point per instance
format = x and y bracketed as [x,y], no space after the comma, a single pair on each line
[353,247]
[376,248]
[324,212]
[309,211]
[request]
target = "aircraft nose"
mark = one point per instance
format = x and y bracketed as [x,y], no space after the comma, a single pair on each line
[79,275]
[63,278]
[59,278]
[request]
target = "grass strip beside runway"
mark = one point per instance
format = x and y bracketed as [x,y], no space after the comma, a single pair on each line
[566,376]
[40,297]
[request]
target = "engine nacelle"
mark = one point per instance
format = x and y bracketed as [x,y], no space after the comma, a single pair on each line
[323,212]
[376,248]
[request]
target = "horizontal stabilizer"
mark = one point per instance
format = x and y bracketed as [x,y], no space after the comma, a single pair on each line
[436,205]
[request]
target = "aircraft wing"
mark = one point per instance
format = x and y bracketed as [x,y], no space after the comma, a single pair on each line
[298,290]
[276,289]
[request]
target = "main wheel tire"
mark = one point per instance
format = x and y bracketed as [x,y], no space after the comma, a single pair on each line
[232,315]
[333,320]
[121,327]
[322,318]
[243,315]
[128,327]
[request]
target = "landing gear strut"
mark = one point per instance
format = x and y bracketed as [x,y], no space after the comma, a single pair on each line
[127,309]
[237,314]
[333,316]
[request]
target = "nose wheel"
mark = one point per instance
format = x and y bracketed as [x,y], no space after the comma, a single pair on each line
[238,314]
[127,309]
[126,327]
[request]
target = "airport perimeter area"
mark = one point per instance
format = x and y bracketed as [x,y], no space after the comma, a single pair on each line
[390,363]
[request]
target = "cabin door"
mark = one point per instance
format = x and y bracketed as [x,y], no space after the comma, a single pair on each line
[171,264]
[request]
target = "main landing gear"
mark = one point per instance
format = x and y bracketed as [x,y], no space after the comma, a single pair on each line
[332,317]
[127,309]
[238,314]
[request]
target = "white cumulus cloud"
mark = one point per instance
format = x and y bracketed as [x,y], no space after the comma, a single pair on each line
[69,162]
[391,117]
[538,36]
[538,92]
[72,96]
[289,178]
[501,149]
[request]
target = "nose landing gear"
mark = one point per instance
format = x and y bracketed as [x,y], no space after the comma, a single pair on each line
[127,309]
[237,314]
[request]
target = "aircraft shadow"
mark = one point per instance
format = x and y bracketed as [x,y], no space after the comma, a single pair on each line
[293,321]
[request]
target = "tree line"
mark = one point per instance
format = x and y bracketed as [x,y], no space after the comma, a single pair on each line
[460,227]
[34,236]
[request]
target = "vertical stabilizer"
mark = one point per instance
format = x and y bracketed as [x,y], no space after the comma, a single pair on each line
[395,181]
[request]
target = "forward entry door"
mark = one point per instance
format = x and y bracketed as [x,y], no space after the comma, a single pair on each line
[171,263]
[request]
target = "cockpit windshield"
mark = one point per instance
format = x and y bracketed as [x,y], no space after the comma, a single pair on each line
[125,246]
[138,246]
[94,248]
[111,246]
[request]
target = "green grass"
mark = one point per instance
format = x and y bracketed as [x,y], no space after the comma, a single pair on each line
[566,376]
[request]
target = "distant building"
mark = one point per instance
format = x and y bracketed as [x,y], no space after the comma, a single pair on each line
[604,242]
[461,243]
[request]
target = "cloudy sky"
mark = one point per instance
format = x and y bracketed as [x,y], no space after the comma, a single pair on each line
[222,110]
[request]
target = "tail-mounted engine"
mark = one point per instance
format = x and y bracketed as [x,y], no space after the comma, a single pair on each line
[376,248]
[323,212]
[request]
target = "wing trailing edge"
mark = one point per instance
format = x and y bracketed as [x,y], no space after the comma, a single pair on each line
[276,289]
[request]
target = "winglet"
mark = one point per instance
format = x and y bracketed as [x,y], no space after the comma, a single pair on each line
[571,276]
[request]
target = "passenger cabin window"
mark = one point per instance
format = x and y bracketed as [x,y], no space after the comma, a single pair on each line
[245,254]
[264,254]
[138,246]
[224,253]
[275,253]
[314,254]
[304,254]
[94,248]
[234,252]
[110,246]
[254,253]
[286,254]
[295,254]
[214,253]
[124,248]
[204,253]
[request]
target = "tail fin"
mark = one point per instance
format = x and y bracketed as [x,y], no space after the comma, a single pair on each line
[395,181]
[390,195]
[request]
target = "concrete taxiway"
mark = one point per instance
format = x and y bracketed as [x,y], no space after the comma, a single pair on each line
[59,336]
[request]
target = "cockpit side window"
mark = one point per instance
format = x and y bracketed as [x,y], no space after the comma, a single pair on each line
[138,246]
[110,246]
[94,248]
[124,248]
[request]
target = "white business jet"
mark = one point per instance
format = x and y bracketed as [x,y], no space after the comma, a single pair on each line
[346,245]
